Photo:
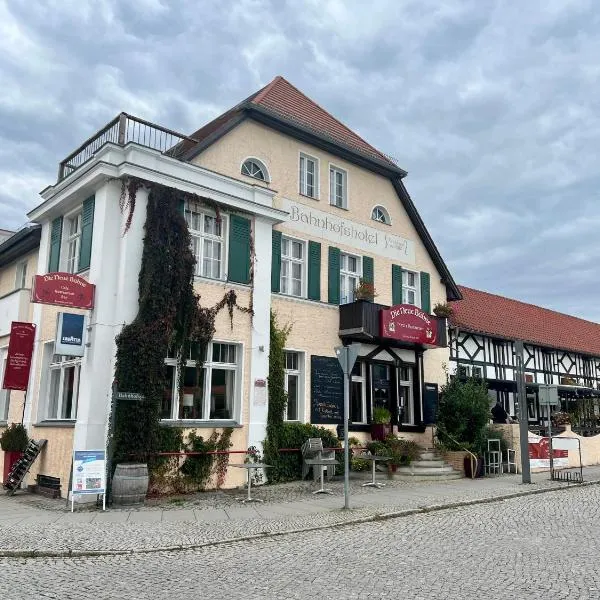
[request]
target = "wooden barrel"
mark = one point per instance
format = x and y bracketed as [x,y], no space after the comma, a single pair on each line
[130,483]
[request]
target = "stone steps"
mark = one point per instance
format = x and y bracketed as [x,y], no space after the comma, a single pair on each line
[429,467]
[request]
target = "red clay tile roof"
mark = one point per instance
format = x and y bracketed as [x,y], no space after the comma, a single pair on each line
[487,313]
[286,102]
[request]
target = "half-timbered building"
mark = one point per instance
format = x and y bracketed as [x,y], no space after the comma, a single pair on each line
[560,350]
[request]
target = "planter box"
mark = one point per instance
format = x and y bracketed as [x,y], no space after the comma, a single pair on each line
[10,458]
[478,467]
[380,432]
[456,458]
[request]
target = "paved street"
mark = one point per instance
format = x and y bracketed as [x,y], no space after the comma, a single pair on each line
[539,546]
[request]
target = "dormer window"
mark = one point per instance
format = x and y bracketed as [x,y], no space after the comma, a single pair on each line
[253,167]
[381,215]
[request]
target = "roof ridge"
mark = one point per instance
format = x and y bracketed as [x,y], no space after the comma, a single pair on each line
[261,95]
[551,310]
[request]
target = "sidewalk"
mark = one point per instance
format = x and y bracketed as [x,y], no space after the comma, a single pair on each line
[36,525]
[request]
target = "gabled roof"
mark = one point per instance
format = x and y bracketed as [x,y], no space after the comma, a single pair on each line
[20,243]
[482,312]
[286,103]
[284,107]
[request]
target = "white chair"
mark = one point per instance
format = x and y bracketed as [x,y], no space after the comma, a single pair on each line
[313,448]
[511,461]
[493,458]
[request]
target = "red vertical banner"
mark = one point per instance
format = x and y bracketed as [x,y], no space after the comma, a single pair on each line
[18,360]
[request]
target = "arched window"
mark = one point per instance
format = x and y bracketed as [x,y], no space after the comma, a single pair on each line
[252,167]
[381,215]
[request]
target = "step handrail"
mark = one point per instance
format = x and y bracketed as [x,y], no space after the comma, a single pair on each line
[464,448]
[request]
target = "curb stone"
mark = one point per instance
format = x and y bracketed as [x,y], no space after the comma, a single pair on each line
[70,553]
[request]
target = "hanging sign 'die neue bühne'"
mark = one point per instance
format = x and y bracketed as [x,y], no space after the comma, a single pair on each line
[63,289]
[18,360]
[70,335]
[408,323]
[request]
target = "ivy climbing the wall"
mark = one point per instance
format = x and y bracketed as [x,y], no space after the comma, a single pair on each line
[170,317]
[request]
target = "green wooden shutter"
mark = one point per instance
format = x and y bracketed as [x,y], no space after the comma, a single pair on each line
[314,270]
[55,235]
[334,276]
[367,269]
[396,285]
[239,249]
[276,262]
[181,206]
[425,292]
[87,229]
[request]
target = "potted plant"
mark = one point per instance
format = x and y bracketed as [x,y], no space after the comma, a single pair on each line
[443,310]
[364,291]
[560,418]
[381,425]
[13,441]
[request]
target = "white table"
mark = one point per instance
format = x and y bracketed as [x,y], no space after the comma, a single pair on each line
[373,458]
[249,467]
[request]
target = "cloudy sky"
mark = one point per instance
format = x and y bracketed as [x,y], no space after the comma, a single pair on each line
[492,107]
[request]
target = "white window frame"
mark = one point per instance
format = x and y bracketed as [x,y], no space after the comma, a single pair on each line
[199,237]
[299,373]
[207,367]
[347,294]
[302,172]
[408,417]
[21,275]
[72,242]
[407,288]
[384,212]
[362,379]
[62,363]
[333,171]
[260,164]
[291,260]
[4,394]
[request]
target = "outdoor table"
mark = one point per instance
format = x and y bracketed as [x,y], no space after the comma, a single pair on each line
[373,458]
[249,467]
[322,462]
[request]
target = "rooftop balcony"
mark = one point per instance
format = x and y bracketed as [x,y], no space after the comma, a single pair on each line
[122,130]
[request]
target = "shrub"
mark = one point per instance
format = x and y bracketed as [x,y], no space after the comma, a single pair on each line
[480,445]
[463,413]
[402,452]
[14,438]
[381,416]
[287,466]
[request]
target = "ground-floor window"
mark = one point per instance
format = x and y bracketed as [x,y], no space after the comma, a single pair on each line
[63,387]
[4,394]
[209,392]
[294,378]
[405,394]
[358,394]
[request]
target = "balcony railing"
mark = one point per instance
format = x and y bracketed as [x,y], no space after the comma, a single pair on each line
[121,130]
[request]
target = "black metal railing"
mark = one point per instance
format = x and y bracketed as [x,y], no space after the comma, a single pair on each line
[123,129]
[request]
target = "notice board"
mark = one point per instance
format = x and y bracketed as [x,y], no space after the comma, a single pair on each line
[326,391]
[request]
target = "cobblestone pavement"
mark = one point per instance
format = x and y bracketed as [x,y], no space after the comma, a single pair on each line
[25,525]
[538,546]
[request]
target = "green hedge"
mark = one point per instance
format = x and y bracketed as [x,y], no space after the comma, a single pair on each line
[287,466]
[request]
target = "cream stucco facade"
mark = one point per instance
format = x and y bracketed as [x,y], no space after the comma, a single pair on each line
[397,372]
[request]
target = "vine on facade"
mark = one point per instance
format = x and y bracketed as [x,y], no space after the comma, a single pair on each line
[169,317]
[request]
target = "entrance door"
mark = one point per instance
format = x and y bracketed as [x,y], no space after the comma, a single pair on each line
[430,403]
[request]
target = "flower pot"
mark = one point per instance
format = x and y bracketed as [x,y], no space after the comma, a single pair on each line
[10,458]
[379,431]
[468,467]
[391,470]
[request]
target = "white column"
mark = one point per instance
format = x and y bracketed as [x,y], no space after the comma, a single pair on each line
[114,269]
[259,365]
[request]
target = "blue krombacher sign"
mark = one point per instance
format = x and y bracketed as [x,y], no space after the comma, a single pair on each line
[70,334]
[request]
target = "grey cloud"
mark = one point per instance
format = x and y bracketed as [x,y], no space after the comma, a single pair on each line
[490,106]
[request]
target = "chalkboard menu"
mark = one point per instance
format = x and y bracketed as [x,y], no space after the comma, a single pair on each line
[326,391]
